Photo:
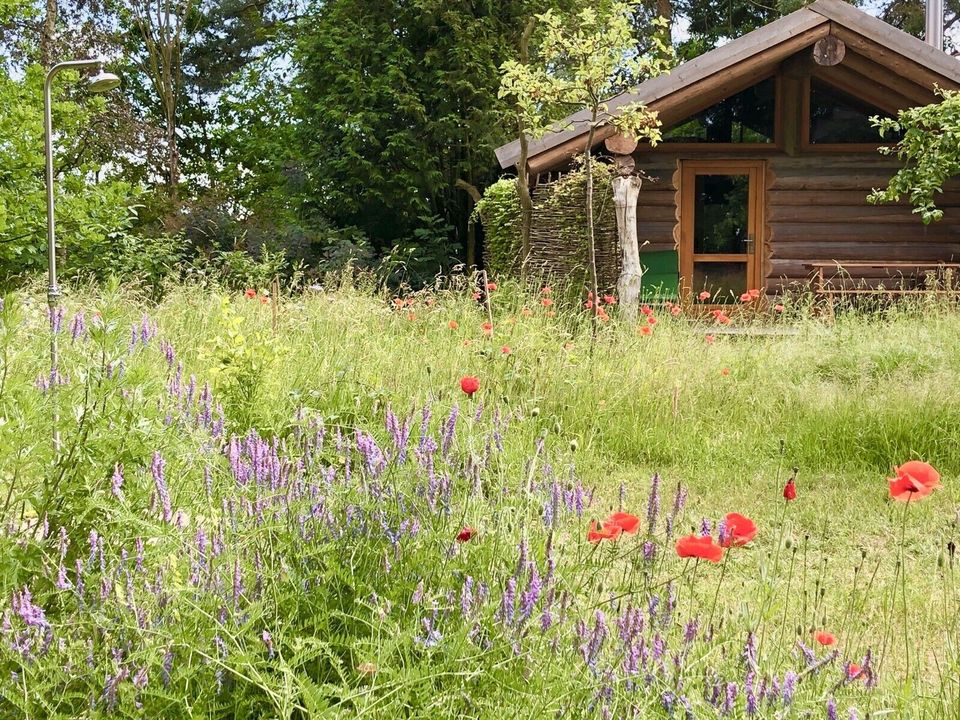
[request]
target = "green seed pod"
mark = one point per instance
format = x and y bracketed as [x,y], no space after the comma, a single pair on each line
[574,445]
[535,412]
[788,543]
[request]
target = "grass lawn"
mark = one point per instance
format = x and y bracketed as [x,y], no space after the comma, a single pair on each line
[727,415]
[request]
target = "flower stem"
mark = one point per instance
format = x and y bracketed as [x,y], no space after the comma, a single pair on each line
[903,581]
[716,594]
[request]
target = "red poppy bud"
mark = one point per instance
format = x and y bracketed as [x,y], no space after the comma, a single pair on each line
[790,490]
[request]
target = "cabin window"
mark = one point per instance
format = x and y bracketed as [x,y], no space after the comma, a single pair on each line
[747,117]
[836,117]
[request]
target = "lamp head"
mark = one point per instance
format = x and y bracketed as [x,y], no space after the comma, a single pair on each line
[103,82]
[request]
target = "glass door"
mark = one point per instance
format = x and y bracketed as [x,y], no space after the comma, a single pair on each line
[720,223]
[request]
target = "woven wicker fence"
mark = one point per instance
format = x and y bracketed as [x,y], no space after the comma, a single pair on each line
[558,233]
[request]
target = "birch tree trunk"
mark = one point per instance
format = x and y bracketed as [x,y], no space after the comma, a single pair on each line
[626,190]
[48,34]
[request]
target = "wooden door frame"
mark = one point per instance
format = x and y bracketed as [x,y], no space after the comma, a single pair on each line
[756,169]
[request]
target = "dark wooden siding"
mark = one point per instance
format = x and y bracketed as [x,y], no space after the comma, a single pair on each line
[815,211]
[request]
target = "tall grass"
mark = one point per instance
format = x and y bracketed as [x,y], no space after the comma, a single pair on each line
[726,414]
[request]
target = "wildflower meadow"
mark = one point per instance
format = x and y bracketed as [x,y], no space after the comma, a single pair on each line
[476,502]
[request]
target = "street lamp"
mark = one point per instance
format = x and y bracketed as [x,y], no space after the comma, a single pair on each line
[101,82]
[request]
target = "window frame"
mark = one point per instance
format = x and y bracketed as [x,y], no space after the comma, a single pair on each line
[806,146]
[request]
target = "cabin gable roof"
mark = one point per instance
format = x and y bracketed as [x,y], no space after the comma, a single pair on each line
[738,64]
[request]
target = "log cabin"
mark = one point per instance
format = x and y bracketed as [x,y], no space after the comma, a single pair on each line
[767,158]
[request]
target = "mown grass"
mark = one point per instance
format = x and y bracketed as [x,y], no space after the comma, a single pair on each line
[843,402]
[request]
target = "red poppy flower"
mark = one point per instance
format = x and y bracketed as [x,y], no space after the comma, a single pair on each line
[710,339]
[646,330]
[703,548]
[676,310]
[546,302]
[526,312]
[824,638]
[249,293]
[466,534]
[740,530]
[853,670]
[651,320]
[790,490]
[625,521]
[398,302]
[754,293]
[264,299]
[746,297]
[411,316]
[779,308]
[609,299]
[476,296]
[506,350]
[705,295]
[588,304]
[607,532]
[469,384]
[915,480]
[547,290]
[602,314]
[645,309]
[487,328]
[725,372]
[453,325]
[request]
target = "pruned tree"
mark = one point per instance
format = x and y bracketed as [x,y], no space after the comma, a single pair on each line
[582,60]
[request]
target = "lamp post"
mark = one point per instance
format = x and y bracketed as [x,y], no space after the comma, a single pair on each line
[101,82]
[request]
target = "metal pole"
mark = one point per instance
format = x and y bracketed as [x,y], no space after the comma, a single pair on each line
[53,290]
[933,17]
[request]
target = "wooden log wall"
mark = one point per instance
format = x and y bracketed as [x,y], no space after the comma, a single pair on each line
[815,211]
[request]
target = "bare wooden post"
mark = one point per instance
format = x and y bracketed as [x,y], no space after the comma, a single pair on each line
[626,190]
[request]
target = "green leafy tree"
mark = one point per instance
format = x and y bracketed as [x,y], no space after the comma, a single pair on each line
[89,211]
[929,150]
[581,61]
[395,102]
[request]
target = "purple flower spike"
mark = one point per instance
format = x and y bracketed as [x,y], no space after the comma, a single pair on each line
[163,493]
[116,485]
[653,504]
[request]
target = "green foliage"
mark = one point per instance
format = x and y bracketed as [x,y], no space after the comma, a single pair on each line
[309,568]
[89,213]
[581,61]
[929,150]
[499,210]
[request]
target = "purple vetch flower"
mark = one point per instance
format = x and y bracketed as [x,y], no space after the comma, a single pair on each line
[808,655]
[268,642]
[168,353]
[110,686]
[750,693]
[31,614]
[116,484]
[449,426]
[546,619]
[831,709]
[417,596]
[750,651]
[591,649]
[140,678]
[730,698]
[528,599]
[55,316]
[853,714]
[466,597]
[789,687]
[237,581]
[431,635]
[690,630]
[706,527]
[723,534]
[653,504]
[167,667]
[62,583]
[649,551]
[78,326]
[163,493]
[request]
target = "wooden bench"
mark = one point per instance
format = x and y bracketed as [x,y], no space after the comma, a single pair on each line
[823,287]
